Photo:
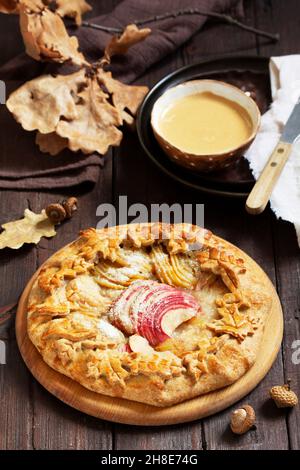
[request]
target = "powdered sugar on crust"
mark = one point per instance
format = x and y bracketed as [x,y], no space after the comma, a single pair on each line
[119,313]
[110,331]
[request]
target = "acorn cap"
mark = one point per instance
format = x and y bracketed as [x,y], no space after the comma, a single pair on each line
[56,213]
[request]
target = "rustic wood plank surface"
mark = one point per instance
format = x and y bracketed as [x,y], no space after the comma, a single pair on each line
[29,416]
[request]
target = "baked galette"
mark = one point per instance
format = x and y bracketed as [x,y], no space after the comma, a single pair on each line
[154,313]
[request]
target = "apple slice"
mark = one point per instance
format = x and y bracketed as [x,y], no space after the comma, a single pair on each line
[163,314]
[152,310]
[147,294]
[119,313]
[174,318]
[139,344]
[125,348]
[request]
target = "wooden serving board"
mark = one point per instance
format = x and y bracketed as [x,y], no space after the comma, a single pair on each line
[124,411]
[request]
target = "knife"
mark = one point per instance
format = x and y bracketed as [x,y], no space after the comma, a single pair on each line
[263,188]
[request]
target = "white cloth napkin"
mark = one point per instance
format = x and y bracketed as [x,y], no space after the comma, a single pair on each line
[285,85]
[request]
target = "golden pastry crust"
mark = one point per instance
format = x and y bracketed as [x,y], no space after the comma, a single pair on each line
[70,324]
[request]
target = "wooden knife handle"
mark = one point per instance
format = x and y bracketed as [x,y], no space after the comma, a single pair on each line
[262,190]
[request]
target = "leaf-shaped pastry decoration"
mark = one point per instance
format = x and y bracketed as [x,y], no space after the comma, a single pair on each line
[226,271]
[234,323]
[9,6]
[30,229]
[69,330]
[73,9]
[45,36]
[119,45]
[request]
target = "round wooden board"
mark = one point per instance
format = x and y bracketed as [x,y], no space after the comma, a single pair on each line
[124,411]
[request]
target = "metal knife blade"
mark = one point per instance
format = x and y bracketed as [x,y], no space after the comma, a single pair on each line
[292,128]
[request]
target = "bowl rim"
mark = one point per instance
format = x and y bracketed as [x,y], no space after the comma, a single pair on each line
[230,151]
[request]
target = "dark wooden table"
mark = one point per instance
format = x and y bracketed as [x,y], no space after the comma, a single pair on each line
[30,418]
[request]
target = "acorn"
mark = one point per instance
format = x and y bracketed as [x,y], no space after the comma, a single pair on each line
[283,396]
[242,419]
[70,205]
[56,213]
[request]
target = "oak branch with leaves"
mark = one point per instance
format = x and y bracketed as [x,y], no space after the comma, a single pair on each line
[82,111]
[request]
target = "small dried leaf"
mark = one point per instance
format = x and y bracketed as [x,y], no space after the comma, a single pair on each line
[9,6]
[45,36]
[51,143]
[130,36]
[73,9]
[30,229]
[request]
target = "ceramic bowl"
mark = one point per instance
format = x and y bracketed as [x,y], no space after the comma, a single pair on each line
[200,162]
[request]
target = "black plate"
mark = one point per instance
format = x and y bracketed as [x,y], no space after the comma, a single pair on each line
[248,73]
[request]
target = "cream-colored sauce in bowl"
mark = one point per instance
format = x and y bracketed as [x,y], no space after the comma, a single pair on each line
[205,123]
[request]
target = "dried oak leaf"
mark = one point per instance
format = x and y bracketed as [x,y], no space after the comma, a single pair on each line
[76,107]
[81,111]
[9,6]
[124,97]
[40,103]
[30,229]
[45,36]
[51,143]
[73,9]
[95,127]
[119,45]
